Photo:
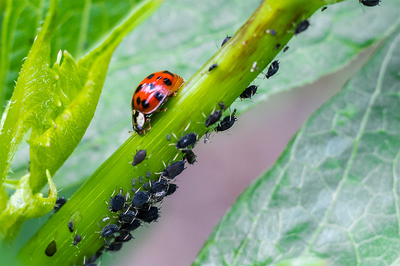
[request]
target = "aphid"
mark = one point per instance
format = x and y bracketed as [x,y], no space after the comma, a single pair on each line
[212,67]
[158,189]
[273,68]
[109,230]
[249,92]
[133,182]
[125,236]
[51,249]
[324,8]
[148,97]
[127,217]
[140,178]
[213,118]
[59,203]
[148,174]
[131,226]
[146,186]
[114,246]
[117,203]
[77,239]
[139,157]
[174,170]
[273,32]
[71,226]
[171,189]
[190,157]
[222,106]
[302,26]
[168,137]
[94,257]
[227,38]
[149,215]
[227,122]
[277,46]
[370,2]
[140,199]
[285,49]
[188,140]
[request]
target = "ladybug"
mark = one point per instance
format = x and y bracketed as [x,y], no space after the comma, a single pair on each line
[151,93]
[302,26]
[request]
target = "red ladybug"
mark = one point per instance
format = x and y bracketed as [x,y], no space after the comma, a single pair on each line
[151,93]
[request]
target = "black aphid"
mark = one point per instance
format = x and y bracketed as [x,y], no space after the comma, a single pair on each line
[249,92]
[189,140]
[109,230]
[324,8]
[370,2]
[189,156]
[158,189]
[133,182]
[117,203]
[212,67]
[59,203]
[139,157]
[77,239]
[148,174]
[227,122]
[114,246]
[273,68]
[273,32]
[227,38]
[277,46]
[71,226]
[213,118]
[127,217]
[140,199]
[131,226]
[171,189]
[125,236]
[302,26]
[168,137]
[93,258]
[140,179]
[149,215]
[51,249]
[285,49]
[174,170]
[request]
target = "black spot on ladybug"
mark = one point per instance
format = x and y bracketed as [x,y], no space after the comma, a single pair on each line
[159,96]
[169,73]
[127,217]
[77,239]
[149,215]
[370,2]
[285,49]
[51,249]
[227,38]
[139,157]
[212,67]
[59,203]
[123,237]
[324,8]
[249,92]
[117,203]
[150,76]
[190,157]
[174,170]
[302,26]
[167,81]
[226,123]
[273,68]
[151,86]
[114,246]
[140,199]
[186,141]
[131,226]
[71,226]
[138,100]
[145,104]
[213,118]
[171,189]
[109,230]
[159,77]
[139,88]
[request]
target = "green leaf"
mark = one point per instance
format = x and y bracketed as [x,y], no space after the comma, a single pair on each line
[57,103]
[182,48]
[335,191]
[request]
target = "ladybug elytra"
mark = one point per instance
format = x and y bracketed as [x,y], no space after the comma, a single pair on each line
[151,93]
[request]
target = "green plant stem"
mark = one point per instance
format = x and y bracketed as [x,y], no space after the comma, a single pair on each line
[200,95]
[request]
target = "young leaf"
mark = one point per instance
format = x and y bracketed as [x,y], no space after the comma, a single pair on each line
[335,191]
[57,104]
